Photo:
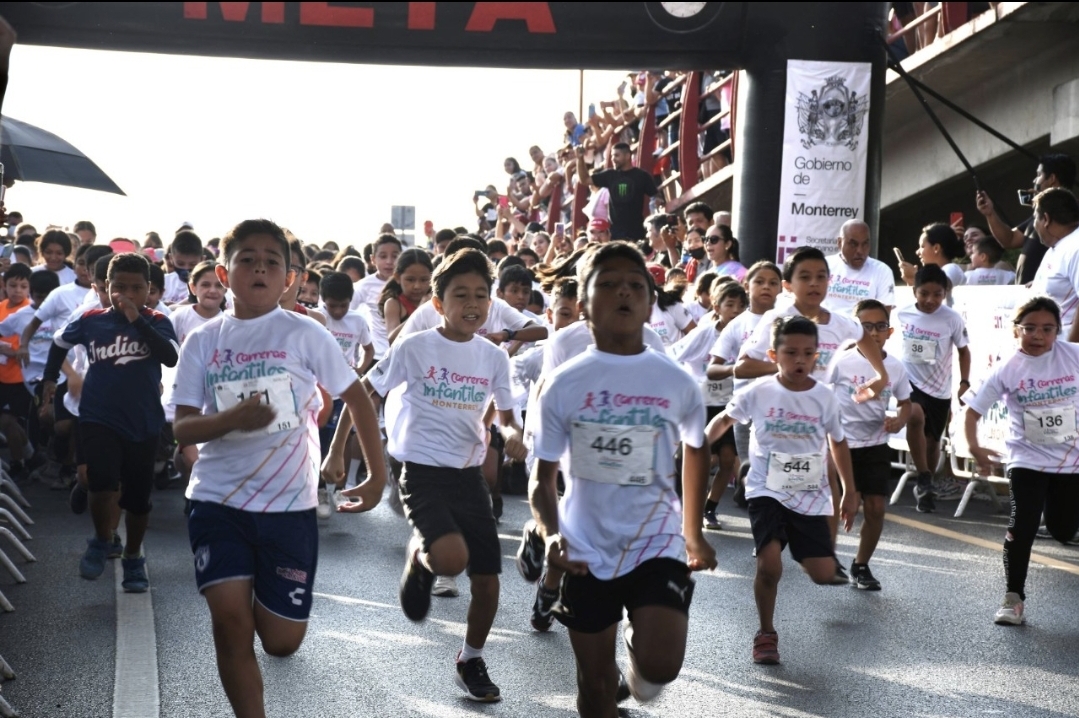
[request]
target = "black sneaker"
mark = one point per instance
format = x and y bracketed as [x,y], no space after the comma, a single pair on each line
[924,497]
[416,583]
[861,577]
[496,508]
[78,498]
[472,678]
[530,553]
[841,578]
[542,618]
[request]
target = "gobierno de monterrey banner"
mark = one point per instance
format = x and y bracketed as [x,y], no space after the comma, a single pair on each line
[825,138]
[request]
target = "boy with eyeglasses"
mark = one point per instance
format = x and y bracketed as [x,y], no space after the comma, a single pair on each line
[867,426]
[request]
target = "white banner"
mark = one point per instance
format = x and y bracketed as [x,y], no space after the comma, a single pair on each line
[825,133]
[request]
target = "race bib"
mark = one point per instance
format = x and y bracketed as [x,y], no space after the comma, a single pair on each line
[795,472]
[612,454]
[1050,425]
[275,390]
[717,392]
[920,351]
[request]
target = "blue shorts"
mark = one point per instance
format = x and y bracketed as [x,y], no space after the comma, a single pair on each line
[277,551]
[325,433]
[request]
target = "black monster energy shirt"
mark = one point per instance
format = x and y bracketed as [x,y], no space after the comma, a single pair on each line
[627,188]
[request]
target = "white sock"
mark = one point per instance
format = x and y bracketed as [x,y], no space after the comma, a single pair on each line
[353,468]
[468,653]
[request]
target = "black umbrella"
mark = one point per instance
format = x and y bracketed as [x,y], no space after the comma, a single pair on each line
[31,154]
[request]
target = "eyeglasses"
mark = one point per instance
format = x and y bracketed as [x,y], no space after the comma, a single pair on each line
[1032,330]
[879,327]
[715,239]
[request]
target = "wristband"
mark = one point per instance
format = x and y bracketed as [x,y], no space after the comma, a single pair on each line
[510,334]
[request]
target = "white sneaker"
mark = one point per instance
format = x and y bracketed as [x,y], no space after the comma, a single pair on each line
[948,489]
[325,506]
[445,586]
[1010,612]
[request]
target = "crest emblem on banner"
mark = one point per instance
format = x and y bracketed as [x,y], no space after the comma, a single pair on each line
[832,115]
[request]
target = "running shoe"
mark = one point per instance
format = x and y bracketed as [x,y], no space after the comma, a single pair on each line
[1010,612]
[48,473]
[472,678]
[711,522]
[135,578]
[116,547]
[841,578]
[948,489]
[324,509]
[445,586]
[496,508]
[78,499]
[92,564]
[542,607]
[530,553]
[766,648]
[415,590]
[861,577]
[924,497]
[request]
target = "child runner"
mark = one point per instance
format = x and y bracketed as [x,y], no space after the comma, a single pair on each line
[763,283]
[386,249]
[983,261]
[1039,388]
[867,427]
[702,300]
[615,445]
[930,331]
[451,376]
[407,289]
[54,247]
[157,291]
[795,422]
[14,398]
[120,415]
[669,318]
[185,253]
[245,390]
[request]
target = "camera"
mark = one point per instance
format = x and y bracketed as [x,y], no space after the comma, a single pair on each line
[1026,197]
[672,220]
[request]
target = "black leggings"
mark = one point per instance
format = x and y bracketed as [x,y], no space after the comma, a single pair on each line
[1033,492]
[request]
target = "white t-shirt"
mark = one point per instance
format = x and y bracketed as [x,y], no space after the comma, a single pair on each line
[1058,277]
[864,423]
[840,331]
[955,273]
[186,320]
[926,346]
[500,316]
[65,301]
[696,311]
[176,289]
[366,293]
[66,274]
[577,337]
[731,340]
[352,334]
[670,323]
[797,423]
[691,351]
[985,275]
[448,387]
[849,286]
[612,527]
[40,342]
[1035,389]
[283,354]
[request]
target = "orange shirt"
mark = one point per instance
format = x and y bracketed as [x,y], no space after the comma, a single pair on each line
[10,370]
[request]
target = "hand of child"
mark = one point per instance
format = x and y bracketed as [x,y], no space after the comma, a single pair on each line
[515,448]
[985,458]
[872,390]
[251,414]
[892,424]
[848,509]
[125,306]
[333,469]
[368,497]
[700,555]
[558,557]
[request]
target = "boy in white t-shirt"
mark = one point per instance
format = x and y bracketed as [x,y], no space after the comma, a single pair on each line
[867,427]
[983,261]
[795,423]
[614,439]
[246,392]
[451,374]
[930,331]
[368,290]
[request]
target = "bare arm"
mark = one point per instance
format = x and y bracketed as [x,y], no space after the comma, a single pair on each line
[361,414]
[1007,237]
[719,369]
[964,369]
[695,464]
[848,509]
[391,311]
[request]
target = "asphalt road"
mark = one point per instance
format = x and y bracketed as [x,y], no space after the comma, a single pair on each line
[925,646]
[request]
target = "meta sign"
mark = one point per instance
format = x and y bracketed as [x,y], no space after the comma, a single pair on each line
[691,35]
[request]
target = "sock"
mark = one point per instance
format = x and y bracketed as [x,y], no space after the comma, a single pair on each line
[468,653]
[141,553]
[710,505]
[352,478]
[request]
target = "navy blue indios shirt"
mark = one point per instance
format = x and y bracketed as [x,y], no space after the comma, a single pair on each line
[122,388]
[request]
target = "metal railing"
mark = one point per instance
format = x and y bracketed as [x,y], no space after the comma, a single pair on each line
[13,519]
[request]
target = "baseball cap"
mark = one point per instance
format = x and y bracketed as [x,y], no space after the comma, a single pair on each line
[599,224]
[659,274]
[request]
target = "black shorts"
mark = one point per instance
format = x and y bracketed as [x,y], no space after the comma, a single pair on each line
[808,536]
[439,500]
[728,436]
[589,605]
[16,400]
[115,463]
[872,469]
[936,412]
